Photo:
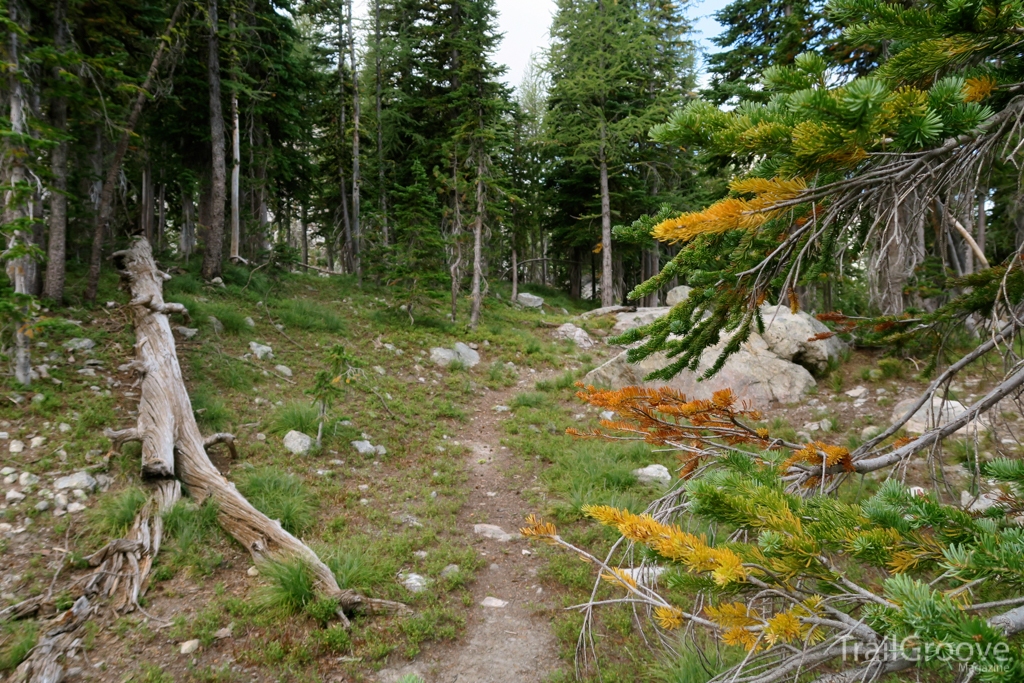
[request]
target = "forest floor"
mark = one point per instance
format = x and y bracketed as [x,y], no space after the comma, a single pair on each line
[464,447]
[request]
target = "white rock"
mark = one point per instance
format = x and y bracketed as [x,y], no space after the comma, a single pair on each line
[6,528]
[8,470]
[753,373]
[677,295]
[491,531]
[414,583]
[189,646]
[870,431]
[364,447]
[653,474]
[421,554]
[979,504]
[449,571]
[17,446]
[501,409]
[789,335]
[494,602]
[627,320]
[28,479]
[15,496]
[217,325]
[75,507]
[577,335]
[79,344]
[937,414]
[283,370]
[297,442]
[4,436]
[260,436]
[11,478]
[253,571]
[249,322]
[380,450]
[64,427]
[43,505]
[857,392]
[78,480]
[261,351]
[186,332]
[529,300]
[37,441]
[79,494]
[60,500]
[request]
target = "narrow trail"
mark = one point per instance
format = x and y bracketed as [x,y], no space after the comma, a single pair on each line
[510,643]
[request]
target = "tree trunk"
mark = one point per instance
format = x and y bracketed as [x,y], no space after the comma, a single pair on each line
[174,452]
[478,231]
[214,247]
[515,275]
[105,207]
[380,133]
[161,216]
[607,291]
[15,200]
[56,248]
[356,178]
[305,235]
[454,267]
[342,183]
[236,166]
[187,236]
[146,204]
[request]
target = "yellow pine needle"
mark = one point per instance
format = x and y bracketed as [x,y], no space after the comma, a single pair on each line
[669,618]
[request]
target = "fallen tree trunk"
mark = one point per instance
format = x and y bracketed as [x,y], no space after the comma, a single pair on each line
[173,453]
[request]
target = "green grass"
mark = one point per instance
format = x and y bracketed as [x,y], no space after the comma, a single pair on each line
[190,530]
[300,416]
[210,410]
[530,400]
[351,569]
[891,368]
[281,496]
[16,642]
[308,315]
[228,315]
[292,590]
[115,514]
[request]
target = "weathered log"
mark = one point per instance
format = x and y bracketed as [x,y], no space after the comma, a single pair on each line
[173,452]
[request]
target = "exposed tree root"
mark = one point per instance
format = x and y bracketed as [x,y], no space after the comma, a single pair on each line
[173,453]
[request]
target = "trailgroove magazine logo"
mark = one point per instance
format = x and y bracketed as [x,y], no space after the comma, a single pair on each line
[971,654]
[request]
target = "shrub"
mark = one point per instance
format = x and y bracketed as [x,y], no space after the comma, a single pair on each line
[300,416]
[115,515]
[304,314]
[16,641]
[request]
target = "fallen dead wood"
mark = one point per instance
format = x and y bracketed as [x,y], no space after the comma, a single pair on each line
[174,452]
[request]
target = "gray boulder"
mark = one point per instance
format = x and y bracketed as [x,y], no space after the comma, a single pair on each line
[79,344]
[297,442]
[677,295]
[653,474]
[79,480]
[936,414]
[186,332]
[217,325]
[577,335]
[529,300]
[788,336]
[261,351]
[460,353]
[753,373]
[627,320]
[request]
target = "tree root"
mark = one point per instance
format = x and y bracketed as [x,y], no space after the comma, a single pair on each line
[174,452]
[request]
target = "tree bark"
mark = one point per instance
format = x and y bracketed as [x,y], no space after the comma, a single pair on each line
[607,288]
[56,249]
[214,247]
[236,167]
[380,133]
[478,231]
[15,209]
[515,275]
[106,200]
[356,177]
[304,227]
[342,183]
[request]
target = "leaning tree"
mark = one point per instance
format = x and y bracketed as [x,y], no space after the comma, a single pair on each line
[889,173]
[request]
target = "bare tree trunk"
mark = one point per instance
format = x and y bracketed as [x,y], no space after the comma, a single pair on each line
[56,248]
[454,268]
[187,237]
[305,235]
[515,275]
[478,230]
[15,208]
[214,247]
[161,216]
[236,166]
[356,178]
[349,249]
[106,200]
[607,290]
[146,204]
[380,133]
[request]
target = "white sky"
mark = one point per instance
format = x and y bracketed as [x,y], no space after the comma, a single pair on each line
[525,24]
